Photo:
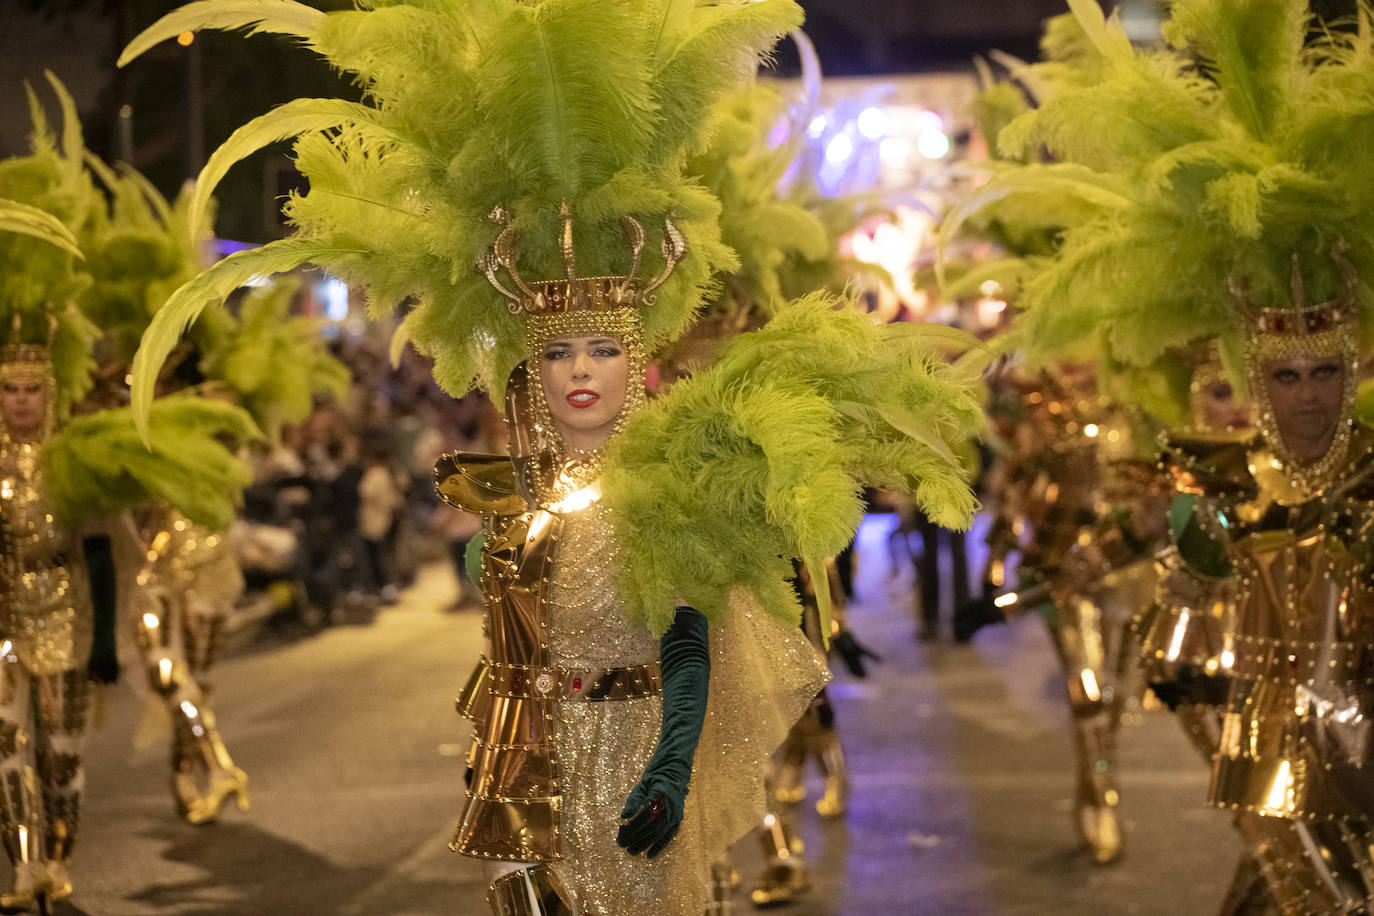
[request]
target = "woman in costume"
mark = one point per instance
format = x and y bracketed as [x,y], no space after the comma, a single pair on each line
[142,247]
[1232,160]
[1080,500]
[644,649]
[1184,653]
[55,584]
[58,488]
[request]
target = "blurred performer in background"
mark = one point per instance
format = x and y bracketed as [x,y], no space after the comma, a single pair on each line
[189,587]
[56,589]
[1185,655]
[1094,508]
[70,465]
[813,737]
[1244,217]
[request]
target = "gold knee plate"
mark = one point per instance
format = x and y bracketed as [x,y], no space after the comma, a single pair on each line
[533,891]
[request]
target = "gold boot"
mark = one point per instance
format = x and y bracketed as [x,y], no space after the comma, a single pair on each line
[224,784]
[200,747]
[60,879]
[1095,815]
[836,797]
[785,876]
[789,782]
[724,880]
[32,888]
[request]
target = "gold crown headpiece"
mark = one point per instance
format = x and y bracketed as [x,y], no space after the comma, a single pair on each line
[572,293]
[25,358]
[1301,319]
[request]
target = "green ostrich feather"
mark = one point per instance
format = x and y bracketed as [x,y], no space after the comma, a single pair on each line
[1184,169]
[49,198]
[468,106]
[98,464]
[276,363]
[764,456]
[768,232]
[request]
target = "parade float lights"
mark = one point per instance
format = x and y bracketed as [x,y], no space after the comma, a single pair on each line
[858,144]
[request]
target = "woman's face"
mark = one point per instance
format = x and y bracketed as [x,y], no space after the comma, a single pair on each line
[1307,394]
[1220,409]
[22,406]
[584,385]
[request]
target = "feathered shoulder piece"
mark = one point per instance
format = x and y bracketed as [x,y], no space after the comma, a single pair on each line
[764,456]
[474,109]
[1187,170]
[98,464]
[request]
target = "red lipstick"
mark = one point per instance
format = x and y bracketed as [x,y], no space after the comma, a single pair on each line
[582,398]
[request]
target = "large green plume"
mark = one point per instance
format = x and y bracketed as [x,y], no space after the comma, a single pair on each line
[1180,170]
[764,455]
[48,198]
[98,464]
[470,105]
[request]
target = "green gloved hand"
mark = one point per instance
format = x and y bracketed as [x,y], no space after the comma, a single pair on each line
[472,558]
[655,807]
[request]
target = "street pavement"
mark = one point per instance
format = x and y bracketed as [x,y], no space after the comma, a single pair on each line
[960,760]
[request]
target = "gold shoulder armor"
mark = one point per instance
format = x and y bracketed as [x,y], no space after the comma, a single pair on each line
[1210,464]
[480,484]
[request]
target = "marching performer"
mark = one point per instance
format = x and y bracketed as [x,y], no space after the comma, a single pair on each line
[643,649]
[1225,201]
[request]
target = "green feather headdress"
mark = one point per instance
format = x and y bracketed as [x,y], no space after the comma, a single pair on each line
[474,105]
[1182,170]
[765,229]
[75,271]
[46,198]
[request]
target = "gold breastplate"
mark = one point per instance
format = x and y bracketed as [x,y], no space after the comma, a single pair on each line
[45,608]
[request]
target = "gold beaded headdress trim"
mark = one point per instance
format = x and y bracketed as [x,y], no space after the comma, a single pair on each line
[572,293]
[1302,329]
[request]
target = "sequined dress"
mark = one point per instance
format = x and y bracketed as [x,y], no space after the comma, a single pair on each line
[567,705]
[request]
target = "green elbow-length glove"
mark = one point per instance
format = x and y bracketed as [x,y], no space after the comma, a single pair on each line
[654,809]
[103,668]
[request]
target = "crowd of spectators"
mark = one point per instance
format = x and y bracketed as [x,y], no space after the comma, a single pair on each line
[343,510]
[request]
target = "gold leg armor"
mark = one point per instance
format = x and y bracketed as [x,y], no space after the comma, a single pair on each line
[813,737]
[785,876]
[830,756]
[1312,868]
[1078,638]
[64,701]
[533,891]
[21,800]
[724,880]
[176,644]
[790,780]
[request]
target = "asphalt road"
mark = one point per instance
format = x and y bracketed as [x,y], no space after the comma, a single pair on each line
[960,761]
